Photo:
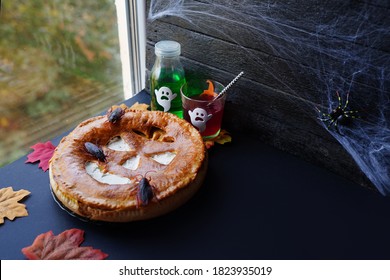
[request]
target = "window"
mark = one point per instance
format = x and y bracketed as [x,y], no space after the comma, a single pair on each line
[60,63]
[132,35]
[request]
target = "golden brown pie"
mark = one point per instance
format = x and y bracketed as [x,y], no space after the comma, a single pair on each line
[136,165]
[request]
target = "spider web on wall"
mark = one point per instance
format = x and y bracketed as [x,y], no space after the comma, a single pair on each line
[348,53]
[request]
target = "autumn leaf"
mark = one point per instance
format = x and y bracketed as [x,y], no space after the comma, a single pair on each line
[222,138]
[112,108]
[43,153]
[65,246]
[139,106]
[208,143]
[209,94]
[9,206]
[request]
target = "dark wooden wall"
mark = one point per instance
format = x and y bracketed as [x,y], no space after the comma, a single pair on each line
[275,45]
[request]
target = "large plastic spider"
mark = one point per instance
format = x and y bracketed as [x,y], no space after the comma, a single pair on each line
[339,115]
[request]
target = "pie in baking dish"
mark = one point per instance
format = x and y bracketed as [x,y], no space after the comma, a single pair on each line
[127,166]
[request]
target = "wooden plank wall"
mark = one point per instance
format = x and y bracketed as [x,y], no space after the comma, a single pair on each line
[277,97]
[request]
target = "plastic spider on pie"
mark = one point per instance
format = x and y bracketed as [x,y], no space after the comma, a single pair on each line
[339,115]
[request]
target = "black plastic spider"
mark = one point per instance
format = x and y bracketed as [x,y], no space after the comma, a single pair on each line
[339,115]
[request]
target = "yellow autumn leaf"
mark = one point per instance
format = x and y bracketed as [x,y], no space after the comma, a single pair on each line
[223,137]
[112,108]
[139,106]
[9,206]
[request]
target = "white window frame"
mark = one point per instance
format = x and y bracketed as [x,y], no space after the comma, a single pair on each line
[132,42]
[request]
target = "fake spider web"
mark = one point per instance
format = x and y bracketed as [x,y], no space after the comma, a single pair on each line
[347,53]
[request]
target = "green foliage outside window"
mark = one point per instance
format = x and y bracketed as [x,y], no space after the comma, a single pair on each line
[59,63]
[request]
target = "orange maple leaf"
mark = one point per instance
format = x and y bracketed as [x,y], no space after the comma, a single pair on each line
[209,93]
[9,206]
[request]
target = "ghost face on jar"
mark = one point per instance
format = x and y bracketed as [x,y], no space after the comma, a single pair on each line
[164,97]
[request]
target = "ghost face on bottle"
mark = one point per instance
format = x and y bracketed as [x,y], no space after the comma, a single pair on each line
[164,96]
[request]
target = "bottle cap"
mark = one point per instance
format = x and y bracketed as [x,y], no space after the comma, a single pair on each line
[167,48]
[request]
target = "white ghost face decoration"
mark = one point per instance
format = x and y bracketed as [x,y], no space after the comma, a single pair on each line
[199,117]
[164,97]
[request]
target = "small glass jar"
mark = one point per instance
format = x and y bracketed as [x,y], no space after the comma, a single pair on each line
[166,78]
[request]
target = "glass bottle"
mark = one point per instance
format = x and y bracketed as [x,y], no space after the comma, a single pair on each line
[166,78]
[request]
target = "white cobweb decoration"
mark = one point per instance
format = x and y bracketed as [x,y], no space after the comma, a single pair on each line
[348,53]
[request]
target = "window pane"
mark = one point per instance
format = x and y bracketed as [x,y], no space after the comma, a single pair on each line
[59,64]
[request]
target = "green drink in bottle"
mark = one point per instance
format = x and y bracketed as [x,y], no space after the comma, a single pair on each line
[167,77]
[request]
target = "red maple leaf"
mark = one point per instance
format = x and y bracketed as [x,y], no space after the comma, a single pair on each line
[43,153]
[64,246]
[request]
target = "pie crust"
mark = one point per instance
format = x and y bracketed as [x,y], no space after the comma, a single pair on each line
[147,133]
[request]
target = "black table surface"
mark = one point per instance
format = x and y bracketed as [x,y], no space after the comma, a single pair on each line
[256,203]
